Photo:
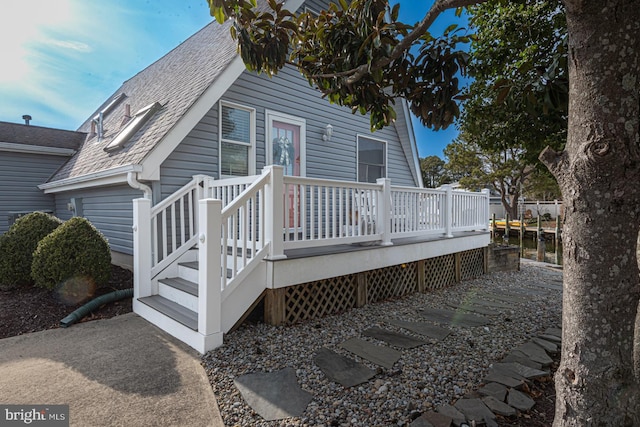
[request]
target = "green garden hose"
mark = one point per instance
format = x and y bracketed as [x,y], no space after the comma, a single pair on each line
[94,304]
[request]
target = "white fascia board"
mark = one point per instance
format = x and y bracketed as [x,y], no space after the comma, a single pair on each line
[36,149]
[173,138]
[98,179]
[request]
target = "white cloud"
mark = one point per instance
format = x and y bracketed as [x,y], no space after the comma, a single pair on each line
[69,44]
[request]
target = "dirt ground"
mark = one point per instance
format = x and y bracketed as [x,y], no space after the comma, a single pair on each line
[31,309]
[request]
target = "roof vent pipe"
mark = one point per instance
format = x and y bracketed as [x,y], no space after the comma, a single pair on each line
[127,115]
[27,118]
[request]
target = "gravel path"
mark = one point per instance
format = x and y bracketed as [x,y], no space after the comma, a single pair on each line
[424,377]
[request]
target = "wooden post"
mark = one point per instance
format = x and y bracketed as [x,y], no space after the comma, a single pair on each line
[142,248]
[507,229]
[494,227]
[210,264]
[457,259]
[421,276]
[361,289]
[274,307]
[384,211]
[522,230]
[274,211]
[541,242]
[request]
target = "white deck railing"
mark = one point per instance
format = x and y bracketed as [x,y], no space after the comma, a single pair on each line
[236,223]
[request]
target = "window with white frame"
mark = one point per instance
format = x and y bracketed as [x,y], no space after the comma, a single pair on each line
[237,140]
[372,159]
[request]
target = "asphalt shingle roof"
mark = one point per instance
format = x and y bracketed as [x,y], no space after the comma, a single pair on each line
[176,81]
[17,133]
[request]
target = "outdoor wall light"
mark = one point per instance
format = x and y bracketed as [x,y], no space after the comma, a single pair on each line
[328,132]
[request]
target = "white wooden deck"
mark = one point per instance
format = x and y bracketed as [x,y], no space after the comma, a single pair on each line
[270,232]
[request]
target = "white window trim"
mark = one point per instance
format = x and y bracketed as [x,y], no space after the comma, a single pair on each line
[386,154]
[270,116]
[251,152]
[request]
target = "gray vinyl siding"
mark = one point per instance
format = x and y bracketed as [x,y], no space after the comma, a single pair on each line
[20,175]
[285,93]
[109,209]
[336,159]
[196,154]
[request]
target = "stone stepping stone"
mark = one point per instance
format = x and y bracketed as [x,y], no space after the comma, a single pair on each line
[507,380]
[523,360]
[476,410]
[393,338]
[491,304]
[495,390]
[548,346]
[519,369]
[437,420]
[473,309]
[341,369]
[556,332]
[551,338]
[548,286]
[380,355]
[453,317]
[451,412]
[506,297]
[499,407]
[421,328]
[421,422]
[274,395]
[520,400]
[533,352]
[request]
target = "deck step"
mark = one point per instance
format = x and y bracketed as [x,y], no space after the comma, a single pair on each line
[194,265]
[173,310]
[181,284]
[190,264]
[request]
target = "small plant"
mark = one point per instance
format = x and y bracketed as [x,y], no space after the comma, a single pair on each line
[75,249]
[18,244]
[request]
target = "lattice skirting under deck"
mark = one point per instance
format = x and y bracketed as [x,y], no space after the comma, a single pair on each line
[310,300]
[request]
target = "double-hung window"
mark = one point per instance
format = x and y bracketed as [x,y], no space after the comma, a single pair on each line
[237,140]
[372,159]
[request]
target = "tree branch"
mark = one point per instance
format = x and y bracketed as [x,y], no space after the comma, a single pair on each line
[436,9]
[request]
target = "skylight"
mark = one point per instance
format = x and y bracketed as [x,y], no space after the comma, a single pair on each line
[138,120]
[110,106]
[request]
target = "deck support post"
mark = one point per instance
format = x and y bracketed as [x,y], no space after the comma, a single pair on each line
[361,289]
[274,211]
[384,211]
[209,267]
[274,307]
[421,276]
[458,266]
[448,210]
[142,248]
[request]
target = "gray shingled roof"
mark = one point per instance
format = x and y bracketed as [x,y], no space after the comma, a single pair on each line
[17,133]
[176,81]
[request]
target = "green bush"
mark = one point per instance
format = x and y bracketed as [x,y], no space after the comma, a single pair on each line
[75,249]
[18,244]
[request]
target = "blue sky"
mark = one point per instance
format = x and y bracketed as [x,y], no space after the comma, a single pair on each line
[63,58]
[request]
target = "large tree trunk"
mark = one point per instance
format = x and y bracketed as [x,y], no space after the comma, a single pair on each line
[599,175]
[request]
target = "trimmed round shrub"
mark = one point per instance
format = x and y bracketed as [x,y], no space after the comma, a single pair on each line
[18,244]
[75,249]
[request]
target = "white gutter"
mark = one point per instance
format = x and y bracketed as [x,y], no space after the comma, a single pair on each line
[35,149]
[412,141]
[132,180]
[112,176]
